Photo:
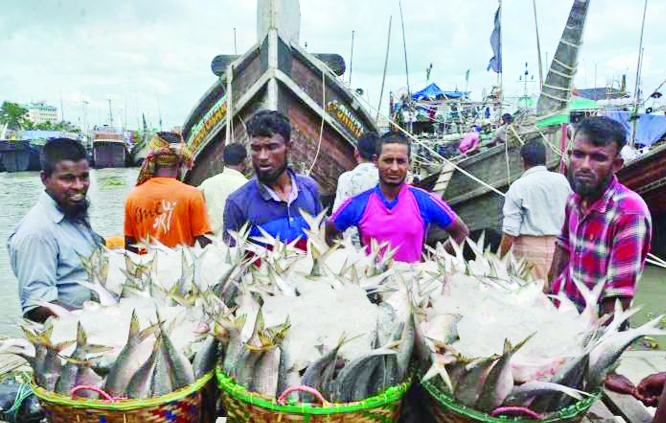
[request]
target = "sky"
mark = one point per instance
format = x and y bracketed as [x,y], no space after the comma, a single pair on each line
[153,57]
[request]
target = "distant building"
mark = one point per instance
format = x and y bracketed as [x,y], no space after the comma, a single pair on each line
[40,112]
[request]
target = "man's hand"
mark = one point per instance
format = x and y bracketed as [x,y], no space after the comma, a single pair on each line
[458,231]
[331,233]
[650,389]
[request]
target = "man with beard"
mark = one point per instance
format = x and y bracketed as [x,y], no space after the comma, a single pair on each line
[272,199]
[394,211]
[161,207]
[606,234]
[45,246]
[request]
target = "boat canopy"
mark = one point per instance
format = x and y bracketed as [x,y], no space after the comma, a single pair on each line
[575,103]
[433,92]
[649,128]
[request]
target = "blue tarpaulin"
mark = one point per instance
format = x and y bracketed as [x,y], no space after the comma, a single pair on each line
[649,128]
[433,92]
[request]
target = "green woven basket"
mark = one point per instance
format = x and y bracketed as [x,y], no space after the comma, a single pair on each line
[444,408]
[244,406]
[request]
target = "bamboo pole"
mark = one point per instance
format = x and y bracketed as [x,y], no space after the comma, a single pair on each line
[404,47]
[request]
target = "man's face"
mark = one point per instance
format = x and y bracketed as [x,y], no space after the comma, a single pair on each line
[592,167]
[68,185]
[393,164]
[269,157]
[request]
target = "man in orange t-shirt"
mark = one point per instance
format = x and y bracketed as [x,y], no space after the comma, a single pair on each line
[161,207]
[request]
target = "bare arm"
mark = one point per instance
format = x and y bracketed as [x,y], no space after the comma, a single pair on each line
[506,243]
[41,314]
[331,233]
[458,231]
[560,262]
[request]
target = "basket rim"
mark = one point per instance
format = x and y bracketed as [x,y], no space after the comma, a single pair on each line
[390,395]
[123,404]
[566,413]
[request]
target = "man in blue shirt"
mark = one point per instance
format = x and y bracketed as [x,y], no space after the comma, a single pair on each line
[273,198]
[45,246]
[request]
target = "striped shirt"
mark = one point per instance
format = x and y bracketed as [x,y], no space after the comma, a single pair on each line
[607,245]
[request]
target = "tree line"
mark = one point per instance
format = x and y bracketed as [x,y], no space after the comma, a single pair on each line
[15,117]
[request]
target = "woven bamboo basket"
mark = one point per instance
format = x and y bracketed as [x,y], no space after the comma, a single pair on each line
[443,408]
[243,406]
[182,406]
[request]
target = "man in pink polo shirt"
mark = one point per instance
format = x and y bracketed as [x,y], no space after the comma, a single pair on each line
[394,211]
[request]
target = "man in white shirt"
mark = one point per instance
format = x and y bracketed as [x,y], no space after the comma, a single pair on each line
[217,189]
[534,210]
[360,179]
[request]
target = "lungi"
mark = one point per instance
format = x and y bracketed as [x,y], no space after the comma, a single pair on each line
[538,251]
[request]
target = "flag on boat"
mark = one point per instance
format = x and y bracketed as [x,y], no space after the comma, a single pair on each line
[495,42]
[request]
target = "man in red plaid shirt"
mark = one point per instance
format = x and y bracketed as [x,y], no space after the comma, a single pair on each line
[606,234]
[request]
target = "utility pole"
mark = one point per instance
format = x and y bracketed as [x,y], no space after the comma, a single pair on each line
[110,115]
[235,48]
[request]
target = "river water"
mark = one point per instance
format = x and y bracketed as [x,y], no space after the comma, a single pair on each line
[20,191]
[108,189]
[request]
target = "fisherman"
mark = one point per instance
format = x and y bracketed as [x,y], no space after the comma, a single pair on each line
[161,207]
[394,211]
[652,392]
[217,189]
[45,246]
[606,234]
[362,178]
[502,133]
[274,198]
[471,141]
[534,210]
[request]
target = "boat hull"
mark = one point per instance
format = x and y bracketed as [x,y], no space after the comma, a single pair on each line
[326,119]
[108,154]
[19,156]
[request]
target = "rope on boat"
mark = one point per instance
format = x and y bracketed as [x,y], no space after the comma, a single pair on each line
[323,118]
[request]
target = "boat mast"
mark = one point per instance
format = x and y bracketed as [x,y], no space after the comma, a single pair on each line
[536,27]
[388,44]
[110,115]
[499,74]
[351,59]
[638,77]
[404,47]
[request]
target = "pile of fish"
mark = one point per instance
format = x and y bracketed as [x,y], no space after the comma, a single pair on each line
[494,339]
[344,321]
[308,319]
[147,333]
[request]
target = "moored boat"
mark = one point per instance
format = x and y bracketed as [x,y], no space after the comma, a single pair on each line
[108,148]
[277,74]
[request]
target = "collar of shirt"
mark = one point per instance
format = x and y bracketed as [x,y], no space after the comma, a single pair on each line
[602,204]
[389,204]
[269,194]
[364,167]
[51,207]
[535,169]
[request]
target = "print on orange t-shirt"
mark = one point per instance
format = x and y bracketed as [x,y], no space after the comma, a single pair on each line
[168,210]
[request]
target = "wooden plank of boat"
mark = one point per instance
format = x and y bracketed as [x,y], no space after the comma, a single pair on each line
[627,407]
[278,75]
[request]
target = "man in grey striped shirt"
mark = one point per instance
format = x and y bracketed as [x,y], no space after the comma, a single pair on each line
[534,210]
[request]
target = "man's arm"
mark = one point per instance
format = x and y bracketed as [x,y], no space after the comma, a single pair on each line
[631,243]
[458,231]
[34,260]
[199,225]
[348,215]
[234,219]
[331,232]
[506,243]
[513,219]
[560,262]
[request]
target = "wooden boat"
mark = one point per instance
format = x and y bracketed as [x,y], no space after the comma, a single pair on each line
[19,155]
[647,176]
[478,205]
[108,149]
[278,74]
